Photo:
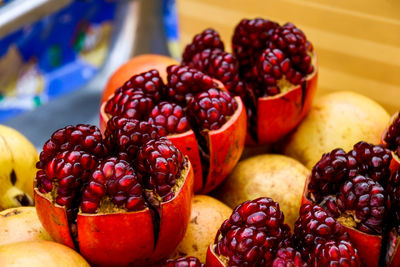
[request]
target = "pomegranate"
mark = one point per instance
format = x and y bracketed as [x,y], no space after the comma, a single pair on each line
[184,262]
[357,189]
[255,235]
[40,253]
[273,69]
[121,200]
[390,140]
[194,111]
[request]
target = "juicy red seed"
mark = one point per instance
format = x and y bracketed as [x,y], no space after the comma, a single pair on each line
[315,226]
[184,262]
[208,39]
[334,253]
[286,257]
[128,135]
[159,164]
[113,178]
[184,82]
[210,109]
[392,137]
[73,138]
[170,118]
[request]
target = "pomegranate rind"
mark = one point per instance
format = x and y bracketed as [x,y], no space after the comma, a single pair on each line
[187,144]
[226,146]
[53,218]
[368,246]
[395,162]
[212,259]
[121,239]
[278,115]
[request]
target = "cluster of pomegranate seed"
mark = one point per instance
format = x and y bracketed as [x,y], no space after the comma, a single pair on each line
[81,170]
[392,136]
[352,185]
[173,106]
[255,235]
[267,59]
[184,262]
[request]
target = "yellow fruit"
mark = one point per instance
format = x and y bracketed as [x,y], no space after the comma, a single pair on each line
[206,218]
[275,176]
[21,224]
[336,120]
[39,254]
[17,169]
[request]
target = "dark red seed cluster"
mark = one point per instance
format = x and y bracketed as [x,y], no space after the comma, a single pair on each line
[253,233]
[137,96]
[288,257]
[352,185]
[315,226]
[392,136]
[170,118]
[159,165]
[211,109]
[81,170]
[334,253]
[184,262]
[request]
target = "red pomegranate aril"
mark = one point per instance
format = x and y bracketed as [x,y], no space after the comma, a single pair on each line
[335,253]
[288,257]
[184,262]
[392,136]
[208,39]
[170,118]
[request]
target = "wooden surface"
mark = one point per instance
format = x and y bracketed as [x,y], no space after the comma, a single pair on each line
[357,42]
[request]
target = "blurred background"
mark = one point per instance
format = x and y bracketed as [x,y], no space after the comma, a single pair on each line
[56,55]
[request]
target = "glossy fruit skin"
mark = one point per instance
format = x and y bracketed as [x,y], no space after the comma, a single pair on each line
[223,157]
[131,238]
[212,259]
[368,246]
[283,112]
[395,163]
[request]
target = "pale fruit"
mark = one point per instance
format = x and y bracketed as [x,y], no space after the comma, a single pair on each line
[275,176]
[39,254]
[21,224]
[18,158]
[206,218]
[336,120]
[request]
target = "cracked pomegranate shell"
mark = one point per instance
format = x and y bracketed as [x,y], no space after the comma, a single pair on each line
[272,68]
[356,195]
[391,140]
[213,152]
[109,210]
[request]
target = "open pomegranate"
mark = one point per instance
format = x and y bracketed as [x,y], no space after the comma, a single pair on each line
[194,111]
[255,235]
[273,69]
[121,200]
[357,189]
[184,262]
[391,140]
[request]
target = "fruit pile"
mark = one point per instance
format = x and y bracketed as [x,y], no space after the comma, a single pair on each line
[123,194]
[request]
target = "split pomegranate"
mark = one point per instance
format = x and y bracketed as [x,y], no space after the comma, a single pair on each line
[272,68]
[357,189]
[121,200]
[192,110]
[255,235]
[391,140]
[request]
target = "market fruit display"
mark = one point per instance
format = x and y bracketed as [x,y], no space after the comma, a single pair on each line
[192,110]
[266,175]
[136,65]
[338,119]
[21,224]
[273,68]
[38,254]
[256,235]
[358,189]
[391,140]
[207,216]
[18,157]
[118,200]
